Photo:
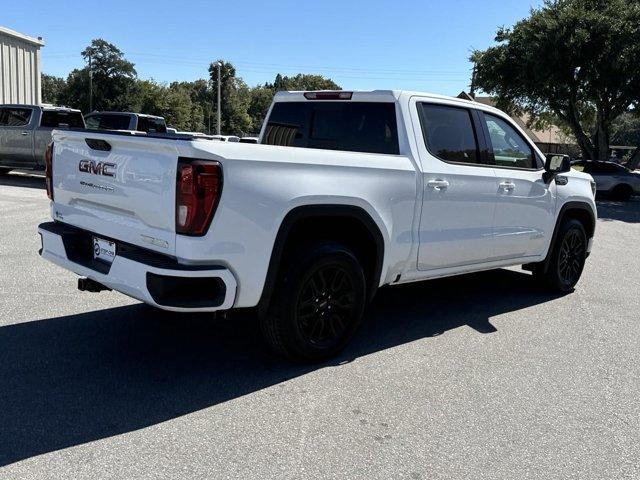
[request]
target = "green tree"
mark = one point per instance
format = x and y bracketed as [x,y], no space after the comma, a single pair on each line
[76,92]
[177,108]
[149,97]
[575,59]
[235,99]
[53,89]
[626,131]
[261,98]
[115,85]
[304,81]
[202,103]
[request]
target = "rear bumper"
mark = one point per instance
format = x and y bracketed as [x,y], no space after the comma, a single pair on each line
[151,278]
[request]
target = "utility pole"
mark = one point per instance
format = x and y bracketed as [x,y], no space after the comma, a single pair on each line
[472,91]
[219,65]
[90,85]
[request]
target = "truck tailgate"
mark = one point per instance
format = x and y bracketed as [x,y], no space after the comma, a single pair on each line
[123,187]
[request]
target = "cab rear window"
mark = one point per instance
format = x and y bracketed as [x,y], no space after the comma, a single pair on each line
[53,119]
[368,127]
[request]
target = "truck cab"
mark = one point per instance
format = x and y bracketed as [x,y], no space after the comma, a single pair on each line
[135,122]
[25,132]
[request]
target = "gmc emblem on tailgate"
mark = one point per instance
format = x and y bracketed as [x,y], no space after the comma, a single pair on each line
[98,168]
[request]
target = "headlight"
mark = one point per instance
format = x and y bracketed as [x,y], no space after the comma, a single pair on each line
[593,187]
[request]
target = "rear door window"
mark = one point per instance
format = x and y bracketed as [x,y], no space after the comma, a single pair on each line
[157,125]
[108,122]
[15,117]
[54,119]
[143,124]
[151,125]
[449,133]
[368,127]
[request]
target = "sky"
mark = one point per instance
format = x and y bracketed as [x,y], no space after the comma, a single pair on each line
[412,45]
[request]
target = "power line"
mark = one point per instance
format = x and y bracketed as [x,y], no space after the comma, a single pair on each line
[338,73]
[268,67]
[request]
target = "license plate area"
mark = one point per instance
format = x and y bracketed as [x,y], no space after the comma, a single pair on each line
[104,250]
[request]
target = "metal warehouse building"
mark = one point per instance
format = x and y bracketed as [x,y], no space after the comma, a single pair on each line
[19,67]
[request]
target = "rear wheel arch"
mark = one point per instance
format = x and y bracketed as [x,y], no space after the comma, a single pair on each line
[346,224]
[622,191]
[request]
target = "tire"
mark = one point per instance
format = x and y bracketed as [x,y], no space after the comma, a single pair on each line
[317,305]
[622,192]
[567,259]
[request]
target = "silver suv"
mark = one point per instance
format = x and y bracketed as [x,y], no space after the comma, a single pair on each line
[25,132]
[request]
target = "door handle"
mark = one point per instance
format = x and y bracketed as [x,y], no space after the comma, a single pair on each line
[507,186]
[438,184]
[24,133]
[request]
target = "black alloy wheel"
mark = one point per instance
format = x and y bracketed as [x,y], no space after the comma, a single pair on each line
[326,305]
[566,258]
[318,302]
[571,257]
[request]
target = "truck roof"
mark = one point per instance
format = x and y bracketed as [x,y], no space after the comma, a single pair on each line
[375,96]
[44,106]
[146,115]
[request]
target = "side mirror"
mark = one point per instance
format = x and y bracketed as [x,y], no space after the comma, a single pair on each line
[555,164]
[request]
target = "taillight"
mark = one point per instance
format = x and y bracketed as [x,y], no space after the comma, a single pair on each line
[198,188]
[48,170]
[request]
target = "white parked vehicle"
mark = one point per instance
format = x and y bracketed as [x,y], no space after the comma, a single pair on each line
[347,192]
[611,179]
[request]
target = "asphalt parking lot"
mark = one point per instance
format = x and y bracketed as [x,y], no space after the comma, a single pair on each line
[474,377]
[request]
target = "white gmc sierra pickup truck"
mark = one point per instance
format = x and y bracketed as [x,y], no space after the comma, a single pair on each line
[345,192]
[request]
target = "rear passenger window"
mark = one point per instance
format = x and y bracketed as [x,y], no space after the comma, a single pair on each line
[157,125]
[107,122]
[449,133]
[510,149]
[350,126]
[14,117]
[143,124]
[151,125]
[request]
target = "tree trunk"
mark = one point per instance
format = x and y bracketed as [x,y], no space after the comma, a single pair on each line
[601,139]
[584,142]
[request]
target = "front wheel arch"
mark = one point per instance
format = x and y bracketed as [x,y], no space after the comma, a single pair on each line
[580,211]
